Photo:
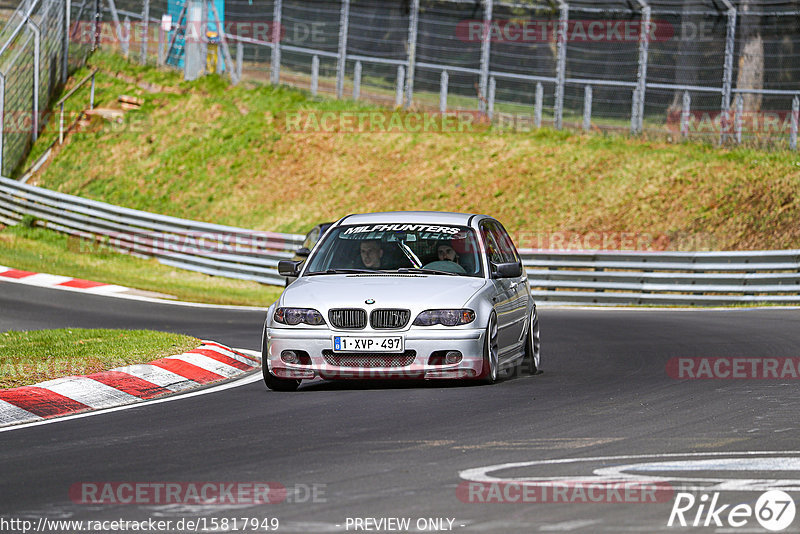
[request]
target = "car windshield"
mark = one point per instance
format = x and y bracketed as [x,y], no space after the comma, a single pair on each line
[398,247]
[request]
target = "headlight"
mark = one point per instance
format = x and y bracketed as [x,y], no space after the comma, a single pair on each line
[444,317]
[293,316]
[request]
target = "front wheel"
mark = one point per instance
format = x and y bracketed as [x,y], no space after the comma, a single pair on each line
[490,353]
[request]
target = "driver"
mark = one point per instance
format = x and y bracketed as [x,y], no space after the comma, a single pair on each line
[371,254]
[446,252]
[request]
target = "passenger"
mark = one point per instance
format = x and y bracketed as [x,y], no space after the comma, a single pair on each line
[371,254]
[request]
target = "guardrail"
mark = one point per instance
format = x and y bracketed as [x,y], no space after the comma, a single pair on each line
[197,246]
[576,277]
[672,278]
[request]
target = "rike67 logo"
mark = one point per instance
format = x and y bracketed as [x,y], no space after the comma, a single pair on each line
[774,510]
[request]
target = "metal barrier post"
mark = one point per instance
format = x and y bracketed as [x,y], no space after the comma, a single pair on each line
[2,119]
[239,60]
[277,17]
[486,44]
[91,95]
[587,108]
[687,102]
[490,103]
[65,41]
[357,81]
[561,64]
[727,70]
[344,23]
[795,113]
[401,81]
[641,79]
[443,83]
[98,13]
[537,106]
[634,111]
[145,31]
[413,27]
[738,119]
[314,75]
[125,37]
[61,125]
[36,65]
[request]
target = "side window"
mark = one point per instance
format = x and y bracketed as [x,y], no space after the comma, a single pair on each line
[311,238]
[506,244]
[493,249]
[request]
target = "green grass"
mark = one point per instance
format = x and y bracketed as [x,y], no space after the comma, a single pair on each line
[40,250]
[35,356]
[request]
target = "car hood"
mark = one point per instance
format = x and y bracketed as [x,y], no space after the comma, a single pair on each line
[408,291]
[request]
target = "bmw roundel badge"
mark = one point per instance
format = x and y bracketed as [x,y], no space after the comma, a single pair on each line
[369,301]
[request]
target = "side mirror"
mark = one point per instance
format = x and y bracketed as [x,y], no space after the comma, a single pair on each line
[302,252]
[289,268]
[506,270]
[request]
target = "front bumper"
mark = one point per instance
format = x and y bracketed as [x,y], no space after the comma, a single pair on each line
[423,342]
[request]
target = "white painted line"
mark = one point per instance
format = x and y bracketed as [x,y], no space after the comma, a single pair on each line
[209,364]
[254,377]
[567,526]
[10,413]
[158,376]
[42,279]
[87,391]
[108,288]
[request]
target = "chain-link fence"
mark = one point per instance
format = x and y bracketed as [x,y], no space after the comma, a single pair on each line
[34,61]
[722,70]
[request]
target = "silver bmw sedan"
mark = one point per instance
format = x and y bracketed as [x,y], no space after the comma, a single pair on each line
[423,295]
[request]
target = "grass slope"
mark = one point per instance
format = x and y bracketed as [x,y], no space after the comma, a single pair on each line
[208,151]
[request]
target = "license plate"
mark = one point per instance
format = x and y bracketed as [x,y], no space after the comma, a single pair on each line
[367,344]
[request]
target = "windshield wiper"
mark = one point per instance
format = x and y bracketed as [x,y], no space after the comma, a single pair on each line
[424,271]
[344,271]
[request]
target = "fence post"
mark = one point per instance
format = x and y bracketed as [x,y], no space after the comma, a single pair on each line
[2,119]
[738,120]
[490,103]
[357,81]
[145,31]
[277,18]
[561,64]
[727,71]
[486,44]
[401,81]
[91,95]
[239,60]
[36,66]
[98,13]
[65,41]
[344,23]
[634,110]
[587,108]
[314,75]
[641,78]
[537,106]
[795,117]
[443,83]
[162,44]
[125,37]
[685,111]
[115,17]
[413,27]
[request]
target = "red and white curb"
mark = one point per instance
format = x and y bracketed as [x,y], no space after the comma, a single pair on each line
[57,281]
[211,362]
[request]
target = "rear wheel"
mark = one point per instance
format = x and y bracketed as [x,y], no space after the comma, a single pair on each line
[490,353]
[273,382]
[531,361]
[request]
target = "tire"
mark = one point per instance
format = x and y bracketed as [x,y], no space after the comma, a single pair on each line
[532,359]
[490,353]
[273,382]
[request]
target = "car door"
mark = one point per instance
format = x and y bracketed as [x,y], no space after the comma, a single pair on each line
[503,295]
[518,287]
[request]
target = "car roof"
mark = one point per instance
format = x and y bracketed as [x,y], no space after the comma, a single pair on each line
[411,217]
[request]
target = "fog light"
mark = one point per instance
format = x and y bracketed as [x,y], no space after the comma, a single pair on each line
[452,356]
[290,356]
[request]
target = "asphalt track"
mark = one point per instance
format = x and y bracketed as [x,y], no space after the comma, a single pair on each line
[380,450]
